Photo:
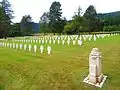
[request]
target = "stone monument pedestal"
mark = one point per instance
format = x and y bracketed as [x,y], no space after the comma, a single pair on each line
[95,76]
[98,84]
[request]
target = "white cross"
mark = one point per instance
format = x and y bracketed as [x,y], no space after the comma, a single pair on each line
[29,47]
[80,42]
[10,45]
[50,41]
[7,44]
[46,41]
[68,42]
[13,45]
[94,38]
[33,41]
[41,49]
[39,41]
[53,41]
[35,48]
[42,41]
[25,47]
[49,50]
[63,42]
[58,41]
[74,42]
[20,46]
[36,41]
[16,46]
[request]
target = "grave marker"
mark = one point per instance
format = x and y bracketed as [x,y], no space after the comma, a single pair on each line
[25,47]
[41,49]
[35,48]
[29,47]
[49,50]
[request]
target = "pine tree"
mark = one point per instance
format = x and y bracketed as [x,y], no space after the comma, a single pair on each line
[6,16]
[91,19]
[55,16]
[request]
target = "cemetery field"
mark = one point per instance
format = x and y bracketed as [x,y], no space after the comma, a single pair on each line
[64,69]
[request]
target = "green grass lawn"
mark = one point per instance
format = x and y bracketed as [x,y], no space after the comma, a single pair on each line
[65,69]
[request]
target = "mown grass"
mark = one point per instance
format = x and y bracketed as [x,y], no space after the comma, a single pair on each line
[65,69]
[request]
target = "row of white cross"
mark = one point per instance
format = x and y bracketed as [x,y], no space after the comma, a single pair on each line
[79,42]
[72,37]
[63,39]
[26,47]
[51,39]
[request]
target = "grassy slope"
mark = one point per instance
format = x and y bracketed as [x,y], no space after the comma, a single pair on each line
[65,69]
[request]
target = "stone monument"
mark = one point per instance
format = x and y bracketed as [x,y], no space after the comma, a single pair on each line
[95,76]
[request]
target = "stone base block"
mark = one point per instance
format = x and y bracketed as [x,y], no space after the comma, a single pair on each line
[86,80]
[100,78]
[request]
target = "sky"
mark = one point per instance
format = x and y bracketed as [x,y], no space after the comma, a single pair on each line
[35,8]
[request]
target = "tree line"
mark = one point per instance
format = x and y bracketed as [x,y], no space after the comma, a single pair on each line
[53,21]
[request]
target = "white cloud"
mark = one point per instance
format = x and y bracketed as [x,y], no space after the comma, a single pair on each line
[36,7]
